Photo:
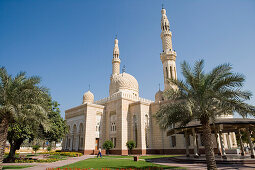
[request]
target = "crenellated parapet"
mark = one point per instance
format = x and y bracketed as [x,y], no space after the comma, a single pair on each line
[122,95]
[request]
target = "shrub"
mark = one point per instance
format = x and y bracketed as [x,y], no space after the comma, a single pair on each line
[35,148]
[108,145]
[34,160]
[49,148]
[70,154]
[130,145]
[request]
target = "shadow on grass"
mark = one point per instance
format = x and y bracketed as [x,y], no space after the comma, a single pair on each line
[144,168]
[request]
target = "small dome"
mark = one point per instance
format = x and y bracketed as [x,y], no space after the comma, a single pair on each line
[88,97]
[159,96]
[123,82]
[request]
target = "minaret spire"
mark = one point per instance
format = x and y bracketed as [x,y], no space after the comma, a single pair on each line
[116,59]
[168,56]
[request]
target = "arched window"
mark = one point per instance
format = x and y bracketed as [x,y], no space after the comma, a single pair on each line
[80,140]
[175,73]
[146,130]
[69,142]
[74,142]
[167,74]
[135,129]
[74,129]
[171,71]
[112,122]
[146,120]
[81,128]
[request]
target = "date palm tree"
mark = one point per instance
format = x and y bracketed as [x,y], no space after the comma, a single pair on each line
[204,97]
[21,100]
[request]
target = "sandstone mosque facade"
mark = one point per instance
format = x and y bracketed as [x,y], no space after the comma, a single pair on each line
[125,116]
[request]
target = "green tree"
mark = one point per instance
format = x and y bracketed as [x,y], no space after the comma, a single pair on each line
[21,99]
[35,148]
[130,145]
[49,148]
[245,139]
[107,145]
[58,127]
[18,132]
[204,96]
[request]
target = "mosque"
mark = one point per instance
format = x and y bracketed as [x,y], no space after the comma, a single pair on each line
[125,116]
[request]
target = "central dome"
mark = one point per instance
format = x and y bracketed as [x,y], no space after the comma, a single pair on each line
[124,82]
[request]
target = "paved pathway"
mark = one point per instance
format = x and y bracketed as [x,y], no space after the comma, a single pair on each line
[43,166]
[200,166]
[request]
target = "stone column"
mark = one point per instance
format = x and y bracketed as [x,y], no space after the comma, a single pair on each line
[241,142]
[198,144]
[141,133]
[187,143]
[228,138]
[71,146]
[217,142]
[79,138]
[66,143]
[74,143]
[122,126]
[250,142]
[195,143]
[223,152]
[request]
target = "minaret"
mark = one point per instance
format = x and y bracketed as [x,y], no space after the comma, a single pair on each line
[116,59]
[168,55]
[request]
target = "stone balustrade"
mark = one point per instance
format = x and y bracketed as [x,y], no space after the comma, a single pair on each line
[122,95]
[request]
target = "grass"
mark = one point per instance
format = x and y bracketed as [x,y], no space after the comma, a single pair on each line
[16,166]
[113,162]
[142,157]
[61,157]
[157,156]
[30,155]
[117,156]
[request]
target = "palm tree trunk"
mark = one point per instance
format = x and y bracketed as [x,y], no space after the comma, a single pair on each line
[209,151]
[3,138]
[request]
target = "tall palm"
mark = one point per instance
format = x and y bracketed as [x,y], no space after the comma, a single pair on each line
[21,99]
[204,96]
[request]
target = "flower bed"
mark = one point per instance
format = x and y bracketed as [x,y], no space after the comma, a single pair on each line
[70,154]
[36,160]
[149,168]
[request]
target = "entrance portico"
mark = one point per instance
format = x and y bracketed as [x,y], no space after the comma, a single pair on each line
[225,131]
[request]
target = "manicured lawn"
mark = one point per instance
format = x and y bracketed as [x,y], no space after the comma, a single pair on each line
[61,157]
[114,163]
[116,156]
[142,157]
[157,156]
[16,166]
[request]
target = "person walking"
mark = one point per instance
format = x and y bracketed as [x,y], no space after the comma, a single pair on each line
[99,153]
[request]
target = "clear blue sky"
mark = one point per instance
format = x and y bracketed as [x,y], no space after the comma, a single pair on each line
[69,43]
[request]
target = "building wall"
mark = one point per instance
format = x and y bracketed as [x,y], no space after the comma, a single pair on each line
[149,136]
[82,127]
[137,129]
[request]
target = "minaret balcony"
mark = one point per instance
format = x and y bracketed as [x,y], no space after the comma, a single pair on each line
[168,55]
[165,33]
[115,60]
